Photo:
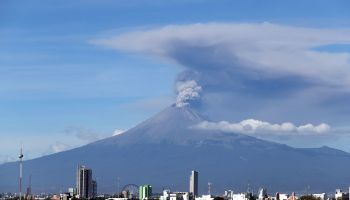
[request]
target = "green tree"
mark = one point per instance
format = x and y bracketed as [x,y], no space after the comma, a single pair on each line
[309,197]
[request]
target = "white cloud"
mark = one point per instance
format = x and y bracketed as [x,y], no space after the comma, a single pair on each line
[118,132]
[273,49]
[58,147]
[253,126]
[187,91]
[6,158]
[83,134]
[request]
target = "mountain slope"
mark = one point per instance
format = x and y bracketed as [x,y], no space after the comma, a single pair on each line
[162,150]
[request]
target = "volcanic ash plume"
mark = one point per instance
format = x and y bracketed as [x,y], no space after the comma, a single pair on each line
[187,91]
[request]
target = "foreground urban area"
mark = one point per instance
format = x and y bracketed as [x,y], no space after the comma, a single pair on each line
[87,188]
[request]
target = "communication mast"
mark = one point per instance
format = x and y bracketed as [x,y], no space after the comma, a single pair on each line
[20,173]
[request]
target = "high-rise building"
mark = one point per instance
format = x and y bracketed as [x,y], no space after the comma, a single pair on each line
[84,182]
[194,183]
[94,188]
[145,192]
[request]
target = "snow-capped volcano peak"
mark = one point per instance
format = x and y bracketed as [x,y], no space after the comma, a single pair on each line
[172,124]
[183,115]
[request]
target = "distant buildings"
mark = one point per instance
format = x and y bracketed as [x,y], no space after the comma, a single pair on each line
[241,196]
[262,194]
[283,196]
[72,191]
[205,197]
[321,196]
[167,195]
[230,195]
[64,196]
[86,187]
[340,195]
[194,183]
[145,192]
[94,188]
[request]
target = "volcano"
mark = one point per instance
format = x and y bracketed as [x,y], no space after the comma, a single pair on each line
[162,151]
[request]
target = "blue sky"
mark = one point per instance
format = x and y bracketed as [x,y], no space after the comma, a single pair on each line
[61,88]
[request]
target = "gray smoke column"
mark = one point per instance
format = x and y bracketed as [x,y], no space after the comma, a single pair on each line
[187,91]
[266,71]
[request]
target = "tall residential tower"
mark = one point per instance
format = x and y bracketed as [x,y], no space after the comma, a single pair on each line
[84,182]
[194,183]
[145,192]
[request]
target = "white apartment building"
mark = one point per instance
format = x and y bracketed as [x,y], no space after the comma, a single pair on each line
[321,196]
[168,195]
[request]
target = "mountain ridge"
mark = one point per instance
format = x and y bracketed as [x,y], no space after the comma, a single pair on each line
[163,149]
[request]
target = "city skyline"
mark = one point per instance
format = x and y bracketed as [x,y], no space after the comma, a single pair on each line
[86,188]
[63,84]
[236,90]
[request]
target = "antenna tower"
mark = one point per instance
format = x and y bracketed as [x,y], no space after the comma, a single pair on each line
[20,172]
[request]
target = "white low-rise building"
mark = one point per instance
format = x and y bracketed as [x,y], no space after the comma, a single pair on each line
[339,194]
[205,197]
[168,195]
[117,198]
[240,196]
[230,195]
[283,196]
[321,196]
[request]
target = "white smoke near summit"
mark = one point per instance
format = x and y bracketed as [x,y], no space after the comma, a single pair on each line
[253,126]
[187,91]
[118,132]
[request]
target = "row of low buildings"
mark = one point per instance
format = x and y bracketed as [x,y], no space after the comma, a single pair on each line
[262,195]
[145,193]
[86,188]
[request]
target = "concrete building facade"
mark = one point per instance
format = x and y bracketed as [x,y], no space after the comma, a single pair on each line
[194,183]
[145,192]
[84,182]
